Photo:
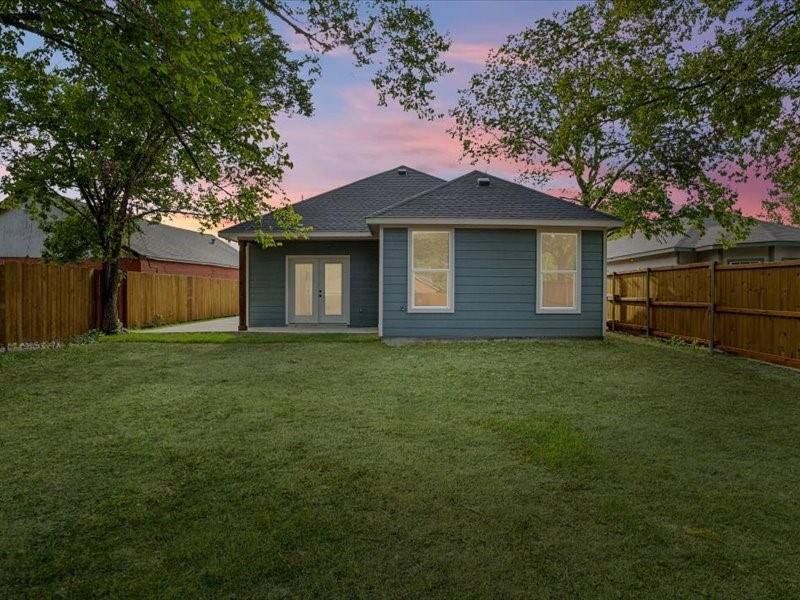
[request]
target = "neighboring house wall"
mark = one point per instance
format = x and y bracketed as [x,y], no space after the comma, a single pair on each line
[495,288]
[267,280]
[723,256]
[787,252]
[127,264]
[165,267]
[764,253]
[634,264]
[720,255]
[145,265]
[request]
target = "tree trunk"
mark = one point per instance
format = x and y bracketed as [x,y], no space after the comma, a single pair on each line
[110,276]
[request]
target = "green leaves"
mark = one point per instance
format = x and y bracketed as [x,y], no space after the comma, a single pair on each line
[116,111]
[653,108]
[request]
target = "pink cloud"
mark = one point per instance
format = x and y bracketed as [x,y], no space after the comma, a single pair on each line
[362,139]
[472,53]
[359,139]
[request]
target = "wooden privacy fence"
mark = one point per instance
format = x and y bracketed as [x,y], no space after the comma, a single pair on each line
[42,302]
[753,310]
[151,299]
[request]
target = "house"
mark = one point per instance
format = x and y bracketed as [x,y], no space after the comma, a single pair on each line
[417,256]
[155,248]
[767,242]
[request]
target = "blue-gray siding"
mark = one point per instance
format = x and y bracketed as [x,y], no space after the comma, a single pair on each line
[267,281]
[495,289]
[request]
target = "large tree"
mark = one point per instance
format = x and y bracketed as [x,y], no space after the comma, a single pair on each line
[117,111]
[738,72]
[651,122]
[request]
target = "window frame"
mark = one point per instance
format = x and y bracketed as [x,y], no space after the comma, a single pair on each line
[555,310]
[450,307]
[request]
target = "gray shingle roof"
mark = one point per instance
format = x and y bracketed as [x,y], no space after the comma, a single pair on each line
[20,237]
[345,209]
[164,242]
[639,244]
[463,198]
[762,233]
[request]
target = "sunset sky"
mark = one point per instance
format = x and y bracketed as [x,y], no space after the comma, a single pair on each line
[350,137]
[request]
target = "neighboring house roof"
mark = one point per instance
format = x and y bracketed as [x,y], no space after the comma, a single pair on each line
[20,237]
[480,197]
[762,234]
[344,209]
[165,242]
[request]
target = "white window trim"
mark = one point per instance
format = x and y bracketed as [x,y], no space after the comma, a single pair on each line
[450,308]
[575,310]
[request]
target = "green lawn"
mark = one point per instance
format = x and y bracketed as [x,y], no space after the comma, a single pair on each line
[349,468]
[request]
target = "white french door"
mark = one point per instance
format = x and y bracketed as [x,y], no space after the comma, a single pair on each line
[318,289]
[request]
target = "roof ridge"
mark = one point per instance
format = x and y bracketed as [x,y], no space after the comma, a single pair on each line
[344,185]
[549,196]
[409,198]
[480,173]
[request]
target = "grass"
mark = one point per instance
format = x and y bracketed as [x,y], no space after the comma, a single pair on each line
[218,469]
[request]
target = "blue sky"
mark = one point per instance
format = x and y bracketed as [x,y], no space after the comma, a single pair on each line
[349,136]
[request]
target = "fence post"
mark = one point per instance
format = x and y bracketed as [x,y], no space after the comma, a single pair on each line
[712,299]
[614,301]
[649,324]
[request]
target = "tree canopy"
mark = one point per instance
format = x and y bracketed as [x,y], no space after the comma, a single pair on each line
[111,112]
[655,109]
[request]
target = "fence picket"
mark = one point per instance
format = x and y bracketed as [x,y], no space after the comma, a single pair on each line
[43,302]
[753,310]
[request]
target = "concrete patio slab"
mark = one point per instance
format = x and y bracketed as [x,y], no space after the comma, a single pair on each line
[231,324]
[224,324]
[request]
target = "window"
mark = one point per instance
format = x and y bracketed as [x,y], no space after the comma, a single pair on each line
[558,259]
[745,261]
[430,271]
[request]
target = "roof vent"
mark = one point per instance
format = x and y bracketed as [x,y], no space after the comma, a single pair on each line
[483,181]
[402,171]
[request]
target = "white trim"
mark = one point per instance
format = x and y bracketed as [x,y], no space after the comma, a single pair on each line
[509,223]
[450,308]
[605,283]
[380,281]
[318,259]
[247,286]
[575,310]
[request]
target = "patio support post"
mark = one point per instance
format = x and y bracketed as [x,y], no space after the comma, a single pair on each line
[243,281]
